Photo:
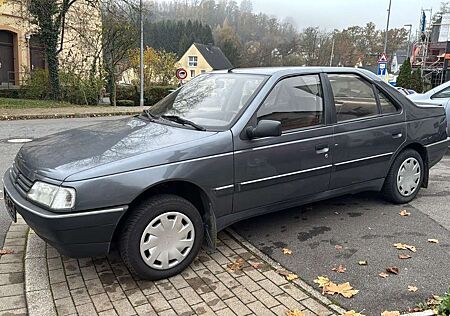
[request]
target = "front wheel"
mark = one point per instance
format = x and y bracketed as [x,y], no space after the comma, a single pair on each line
[405,177]
[161,237]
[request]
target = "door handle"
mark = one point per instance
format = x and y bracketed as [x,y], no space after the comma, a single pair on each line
[322,149]
[397,135]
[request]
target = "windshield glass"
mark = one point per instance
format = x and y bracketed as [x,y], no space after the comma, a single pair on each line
[210,100]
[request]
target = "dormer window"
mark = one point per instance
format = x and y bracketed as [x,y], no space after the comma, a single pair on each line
[193,61]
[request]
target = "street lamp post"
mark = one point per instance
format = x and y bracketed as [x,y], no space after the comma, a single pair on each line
[409,41]
[141,55]
[387,27]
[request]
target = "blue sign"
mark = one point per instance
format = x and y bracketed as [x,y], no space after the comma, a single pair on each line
[382,69]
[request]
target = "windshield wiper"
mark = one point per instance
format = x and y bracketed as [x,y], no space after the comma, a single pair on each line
[183,121]
[152,117]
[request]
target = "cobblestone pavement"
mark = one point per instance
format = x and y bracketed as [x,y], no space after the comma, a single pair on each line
[37,280]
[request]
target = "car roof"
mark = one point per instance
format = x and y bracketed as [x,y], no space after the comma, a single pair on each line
[269,71]
[285,71]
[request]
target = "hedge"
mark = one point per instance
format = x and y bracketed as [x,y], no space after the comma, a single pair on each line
[152,94]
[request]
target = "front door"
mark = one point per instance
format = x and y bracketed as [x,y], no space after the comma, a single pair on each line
[273,170]
[6,57]
[369,129]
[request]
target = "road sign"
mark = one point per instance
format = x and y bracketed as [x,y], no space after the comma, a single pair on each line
[383,58]
[181,74]
[382,69]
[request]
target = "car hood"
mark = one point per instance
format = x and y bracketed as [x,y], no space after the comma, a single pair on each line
[61,155]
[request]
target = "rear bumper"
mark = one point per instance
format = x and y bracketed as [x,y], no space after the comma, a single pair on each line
[83,234]
[436,151]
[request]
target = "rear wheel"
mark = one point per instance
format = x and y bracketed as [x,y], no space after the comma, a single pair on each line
[405,177]
[162,237]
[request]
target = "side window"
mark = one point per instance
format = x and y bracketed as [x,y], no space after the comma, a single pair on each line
[353,96]
[296,102]
[386,105]
[444,94]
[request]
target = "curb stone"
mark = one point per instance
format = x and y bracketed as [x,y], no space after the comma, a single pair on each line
[37,285]
[275,265]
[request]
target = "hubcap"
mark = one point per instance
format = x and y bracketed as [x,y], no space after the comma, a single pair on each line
[408,177]
[167,240]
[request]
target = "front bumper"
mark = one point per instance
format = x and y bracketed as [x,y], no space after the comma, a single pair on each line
[83,234]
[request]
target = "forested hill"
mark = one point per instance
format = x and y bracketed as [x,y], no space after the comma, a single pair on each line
[258,39]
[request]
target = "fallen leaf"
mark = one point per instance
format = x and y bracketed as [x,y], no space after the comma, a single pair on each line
[338,247]
[401,246]
[393,270]
[352,313]
[235,266]
[362,263]
[433,241]
[286,251]
[340,269]
[322,281]
[404,213]
[401,256]
[412,288]
[388,313]
[345,289]
[383,275]
[257,265]
[291,277]
[283,272]
[294,312]
[6,251]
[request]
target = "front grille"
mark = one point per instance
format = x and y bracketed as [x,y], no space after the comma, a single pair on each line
[19,180]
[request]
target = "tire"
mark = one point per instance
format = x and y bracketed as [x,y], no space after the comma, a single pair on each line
[391,191]
[161,209]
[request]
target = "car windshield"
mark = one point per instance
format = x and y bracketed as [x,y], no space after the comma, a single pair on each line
[210,100]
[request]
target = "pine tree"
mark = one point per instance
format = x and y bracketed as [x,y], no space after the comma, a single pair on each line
[404,78]
[417,81]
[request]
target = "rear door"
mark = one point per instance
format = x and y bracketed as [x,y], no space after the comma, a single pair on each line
[369,128]
[273,170]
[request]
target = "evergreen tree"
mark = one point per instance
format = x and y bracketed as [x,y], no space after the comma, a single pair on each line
[417,81]
[404,78]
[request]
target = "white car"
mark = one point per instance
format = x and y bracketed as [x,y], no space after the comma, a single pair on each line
[437,96]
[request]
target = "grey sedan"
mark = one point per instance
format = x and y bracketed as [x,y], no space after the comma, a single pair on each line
[227,146]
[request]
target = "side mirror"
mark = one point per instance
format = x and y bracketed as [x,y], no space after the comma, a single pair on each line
[264,128]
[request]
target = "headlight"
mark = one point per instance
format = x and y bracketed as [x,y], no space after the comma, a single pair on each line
[53,196]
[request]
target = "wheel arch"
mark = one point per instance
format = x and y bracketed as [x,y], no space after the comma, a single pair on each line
[423,153]
[187,190]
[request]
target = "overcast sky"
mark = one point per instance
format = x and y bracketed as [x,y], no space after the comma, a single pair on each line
[331,14]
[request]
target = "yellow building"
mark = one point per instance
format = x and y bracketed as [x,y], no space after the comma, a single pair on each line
[200,59]
[21,50]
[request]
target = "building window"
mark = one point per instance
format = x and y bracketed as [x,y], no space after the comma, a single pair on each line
[203,71]
[193,61]
[192,73]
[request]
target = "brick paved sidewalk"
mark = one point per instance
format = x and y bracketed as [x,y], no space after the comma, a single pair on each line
[39,281]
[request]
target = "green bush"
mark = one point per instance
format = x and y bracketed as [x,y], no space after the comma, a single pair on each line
[444,306]
[126,92]
[12,93]
[37,85]
[125,103]
[74,89]
[155,94]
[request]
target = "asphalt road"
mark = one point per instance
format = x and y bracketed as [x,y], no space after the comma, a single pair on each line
[29,129]
[366,227]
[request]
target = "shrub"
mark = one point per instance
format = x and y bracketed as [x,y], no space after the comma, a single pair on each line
[125,103]
[154,94]
[444,306]
[74,89]
[12,93]
[126,92]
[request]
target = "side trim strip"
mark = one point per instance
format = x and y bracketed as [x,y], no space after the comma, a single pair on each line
[285,175]
[439,142]
[230,186]
[362,159]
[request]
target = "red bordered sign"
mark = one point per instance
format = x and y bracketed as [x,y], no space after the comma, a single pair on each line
[181,74]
